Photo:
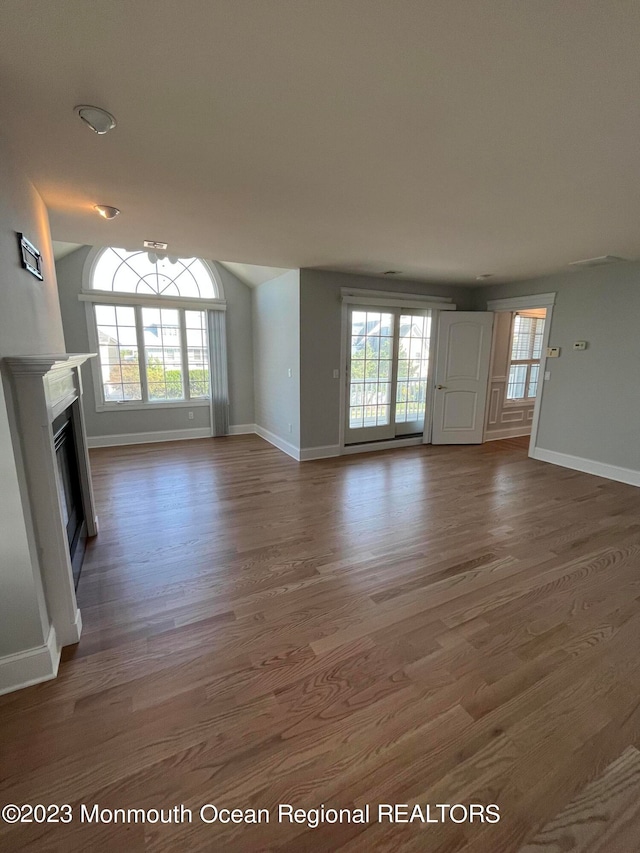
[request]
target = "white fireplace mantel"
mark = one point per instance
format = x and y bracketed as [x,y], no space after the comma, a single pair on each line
[44,387]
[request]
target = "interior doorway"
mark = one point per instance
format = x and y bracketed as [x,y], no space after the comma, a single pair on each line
[515,379]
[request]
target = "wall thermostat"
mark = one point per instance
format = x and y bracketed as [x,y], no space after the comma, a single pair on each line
[580,345]
[553,352]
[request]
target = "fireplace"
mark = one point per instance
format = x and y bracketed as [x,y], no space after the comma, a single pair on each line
[70,491]
[52,437]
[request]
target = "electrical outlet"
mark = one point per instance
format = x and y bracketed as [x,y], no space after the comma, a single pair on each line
[190,416]
[290,427]
[336,374]
[580,345]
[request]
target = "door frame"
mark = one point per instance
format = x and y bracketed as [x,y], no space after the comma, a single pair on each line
[381,299]
[519,303]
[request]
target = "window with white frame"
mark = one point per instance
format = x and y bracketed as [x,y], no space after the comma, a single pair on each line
[527,334]
[151,333]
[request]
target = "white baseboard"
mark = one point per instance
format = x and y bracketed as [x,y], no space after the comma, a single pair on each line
[588,466]
[30,666]
[507,432]
[326,452]
[383,445]
[70,633]
[147,437]
[280,443]
[242,429]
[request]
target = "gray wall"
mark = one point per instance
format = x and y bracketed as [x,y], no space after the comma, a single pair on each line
[239,347]
[591,404]
[276,350]
[321,339]
[239,352]
[29,324]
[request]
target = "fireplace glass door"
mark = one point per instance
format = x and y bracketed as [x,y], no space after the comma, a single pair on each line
[69,491]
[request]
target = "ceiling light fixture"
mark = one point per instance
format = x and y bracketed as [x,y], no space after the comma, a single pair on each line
[484,276]
[155,244]
[105,211]
[99,120]
[391,272]
[154,258]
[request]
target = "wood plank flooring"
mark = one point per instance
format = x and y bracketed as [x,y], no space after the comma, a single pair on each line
[422,626]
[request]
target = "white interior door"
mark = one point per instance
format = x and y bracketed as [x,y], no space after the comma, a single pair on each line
[463,351]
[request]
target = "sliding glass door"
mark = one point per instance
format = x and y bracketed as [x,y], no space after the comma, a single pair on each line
[388,373]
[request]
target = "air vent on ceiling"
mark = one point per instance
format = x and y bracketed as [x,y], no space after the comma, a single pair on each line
[155,244]
[601,260]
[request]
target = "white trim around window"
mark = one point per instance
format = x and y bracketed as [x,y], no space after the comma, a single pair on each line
[394,299]
[517,303]
[106,297]
[129,405]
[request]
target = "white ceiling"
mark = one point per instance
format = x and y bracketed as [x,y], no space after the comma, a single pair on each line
[254,275]
[442,138]
[61,250]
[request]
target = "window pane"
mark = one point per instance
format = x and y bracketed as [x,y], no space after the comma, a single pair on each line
[533,380]
[527,338]
[197,353]
[383,416]
[537,339]
[355,417]
[386,325]
[106,315]
[118,353]
[157,391]
[517,381]
[163,354]
[147,273]
[413,367]
[384,370]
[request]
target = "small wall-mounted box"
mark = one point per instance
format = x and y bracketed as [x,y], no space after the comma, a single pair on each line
[553,352]
[580,345]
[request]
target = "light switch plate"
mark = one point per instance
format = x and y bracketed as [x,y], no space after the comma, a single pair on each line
[580,345]
[553,352]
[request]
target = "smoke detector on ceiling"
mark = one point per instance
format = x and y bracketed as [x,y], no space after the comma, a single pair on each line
[155,244]
[600,261]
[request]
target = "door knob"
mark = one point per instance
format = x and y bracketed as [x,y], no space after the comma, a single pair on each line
[441,387]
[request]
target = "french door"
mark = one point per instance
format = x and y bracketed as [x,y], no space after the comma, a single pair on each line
[388,372]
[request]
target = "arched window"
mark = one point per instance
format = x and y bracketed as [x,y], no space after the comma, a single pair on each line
[147,274]
[152,320]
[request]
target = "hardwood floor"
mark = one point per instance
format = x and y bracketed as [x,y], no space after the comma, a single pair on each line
[430,625]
